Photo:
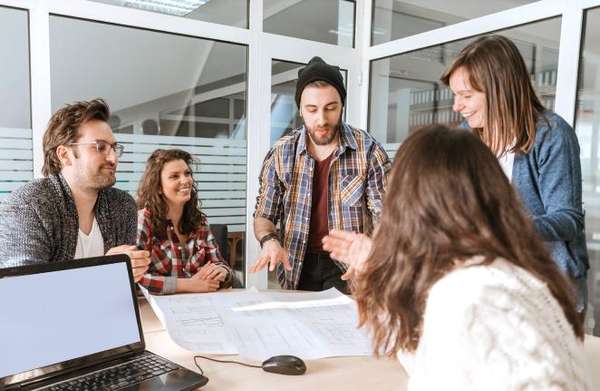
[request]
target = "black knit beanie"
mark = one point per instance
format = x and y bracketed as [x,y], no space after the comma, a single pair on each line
[317,69]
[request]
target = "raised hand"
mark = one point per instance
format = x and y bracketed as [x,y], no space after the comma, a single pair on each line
[349,247]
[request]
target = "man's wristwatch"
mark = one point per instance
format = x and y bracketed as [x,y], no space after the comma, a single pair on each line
[267,237]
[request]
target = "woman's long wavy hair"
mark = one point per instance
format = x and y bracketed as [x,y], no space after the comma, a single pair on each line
[496,68]
[447,201]
[150,195]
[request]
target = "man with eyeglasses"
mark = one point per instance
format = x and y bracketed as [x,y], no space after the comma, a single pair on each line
[73,212]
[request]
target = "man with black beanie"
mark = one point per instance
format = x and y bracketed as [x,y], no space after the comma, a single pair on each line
[324,175]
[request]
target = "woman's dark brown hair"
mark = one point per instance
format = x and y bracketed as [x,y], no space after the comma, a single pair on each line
[150,195]
[447,201]
[496,68]
[63,128]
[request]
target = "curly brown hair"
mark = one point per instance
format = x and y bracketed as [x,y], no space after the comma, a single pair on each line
[63,128]
[447,201]
[150,197]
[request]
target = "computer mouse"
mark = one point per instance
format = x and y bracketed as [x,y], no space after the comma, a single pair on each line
[284,365]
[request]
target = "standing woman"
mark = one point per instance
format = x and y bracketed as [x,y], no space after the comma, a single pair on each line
[184,256]
[537,149]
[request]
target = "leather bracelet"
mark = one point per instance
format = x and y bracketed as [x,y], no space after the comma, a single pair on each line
[268,237]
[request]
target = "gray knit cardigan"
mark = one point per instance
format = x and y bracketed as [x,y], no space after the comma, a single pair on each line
[39,222]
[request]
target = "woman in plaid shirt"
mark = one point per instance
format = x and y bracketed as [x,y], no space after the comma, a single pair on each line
[184,256]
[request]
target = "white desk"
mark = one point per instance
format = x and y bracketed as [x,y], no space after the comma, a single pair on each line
[592,350]
[343,373]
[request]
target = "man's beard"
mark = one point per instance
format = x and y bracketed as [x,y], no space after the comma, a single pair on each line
[328,138]
[104,181]
[98,180]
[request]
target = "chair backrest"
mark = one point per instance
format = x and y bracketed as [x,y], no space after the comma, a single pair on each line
[220,233]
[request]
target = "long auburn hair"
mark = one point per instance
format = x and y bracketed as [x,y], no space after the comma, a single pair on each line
[150,195]
[496,68]
[447,201]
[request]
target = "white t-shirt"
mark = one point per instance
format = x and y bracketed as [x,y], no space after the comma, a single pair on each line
[91,245]
[506,162]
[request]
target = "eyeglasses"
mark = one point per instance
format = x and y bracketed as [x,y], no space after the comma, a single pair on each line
[104,147]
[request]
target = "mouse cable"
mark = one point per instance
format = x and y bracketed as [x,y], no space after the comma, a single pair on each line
[222,361]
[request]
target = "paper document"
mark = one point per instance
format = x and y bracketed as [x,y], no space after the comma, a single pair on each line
[192,322]
[259,325]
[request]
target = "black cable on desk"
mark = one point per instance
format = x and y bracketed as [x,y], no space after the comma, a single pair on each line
[222,361]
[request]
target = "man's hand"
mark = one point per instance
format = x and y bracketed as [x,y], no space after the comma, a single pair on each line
[271,254]
[210,271]
[349,247]
[140,259]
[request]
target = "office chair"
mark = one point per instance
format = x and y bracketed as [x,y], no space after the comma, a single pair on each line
[220,233]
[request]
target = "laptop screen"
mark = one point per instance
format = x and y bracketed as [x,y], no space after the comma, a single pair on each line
[56,316]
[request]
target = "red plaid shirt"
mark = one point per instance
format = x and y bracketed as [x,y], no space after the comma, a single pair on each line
[171,259]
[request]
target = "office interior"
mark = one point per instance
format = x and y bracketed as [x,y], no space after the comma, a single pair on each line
[217,78]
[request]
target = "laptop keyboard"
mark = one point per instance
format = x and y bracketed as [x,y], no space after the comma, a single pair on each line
[119,376]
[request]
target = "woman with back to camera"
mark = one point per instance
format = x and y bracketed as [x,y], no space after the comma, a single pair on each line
[184,256]
[457,280]
[537,149]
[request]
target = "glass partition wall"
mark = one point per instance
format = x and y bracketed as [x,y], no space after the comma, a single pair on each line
[393,19]
[328,21]
[197,103]
[405,92]
[227,12]
[176,74]
[587,127]
[15,108]
[216,77]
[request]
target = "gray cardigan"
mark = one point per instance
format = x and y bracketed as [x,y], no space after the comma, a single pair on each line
[39,222]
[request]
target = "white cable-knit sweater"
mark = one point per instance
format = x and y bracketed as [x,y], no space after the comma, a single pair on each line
[495,327]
